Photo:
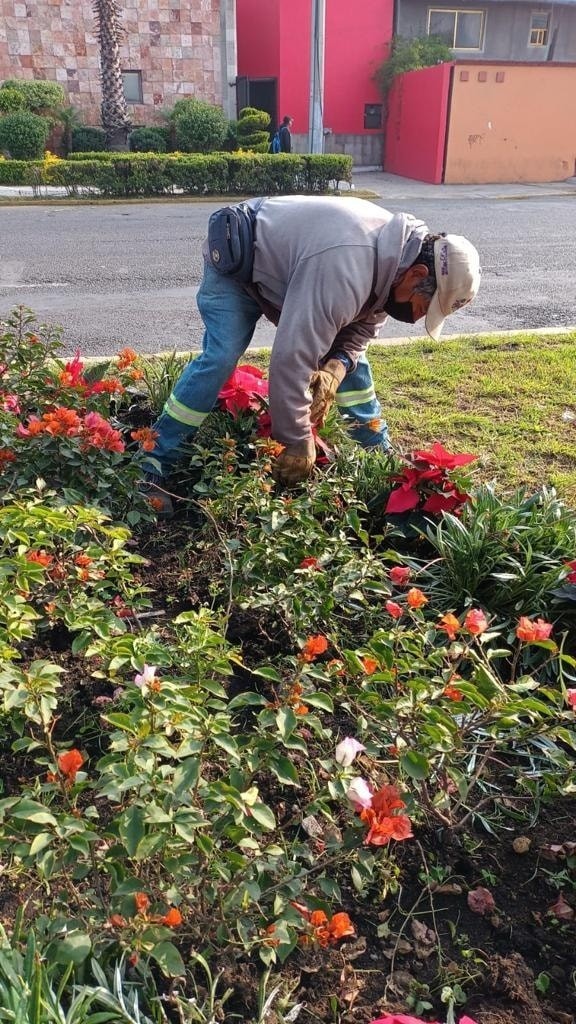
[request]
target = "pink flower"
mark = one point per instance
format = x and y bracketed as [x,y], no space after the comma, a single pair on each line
[394,609]
[404,1018]
[359,794]
[533,632]
[571,698]
[10,403]
[476,622]
[400,574]
[244,390]
[346,751]
[146,677]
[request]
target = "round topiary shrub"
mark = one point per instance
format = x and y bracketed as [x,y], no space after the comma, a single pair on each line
[252,130]
[198,126]
[147,140]
[38,96]
[23,135]
[88,140]
[11,100]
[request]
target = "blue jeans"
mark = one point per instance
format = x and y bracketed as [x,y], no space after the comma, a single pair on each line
[230,316]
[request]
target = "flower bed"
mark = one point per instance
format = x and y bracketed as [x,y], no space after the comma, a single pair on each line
[289,754]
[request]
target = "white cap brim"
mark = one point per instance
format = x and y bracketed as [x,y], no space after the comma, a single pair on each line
[435,318]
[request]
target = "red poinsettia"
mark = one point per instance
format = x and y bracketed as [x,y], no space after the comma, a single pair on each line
[425,483]
[244,390]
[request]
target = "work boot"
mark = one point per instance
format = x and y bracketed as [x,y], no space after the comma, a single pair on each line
[152,487]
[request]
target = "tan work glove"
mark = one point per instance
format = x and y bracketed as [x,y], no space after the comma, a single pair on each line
[295,463]
[324,384]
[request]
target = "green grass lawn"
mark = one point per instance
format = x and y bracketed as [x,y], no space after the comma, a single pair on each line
[506,398]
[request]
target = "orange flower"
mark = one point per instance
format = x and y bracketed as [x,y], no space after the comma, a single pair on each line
[6,456]
[314,646]
[146,437]
[83,561]
[173,918]
[40,557]
[117,921]
[476,622]
[309,563]
[328,932]
[301,709]
[453,693]
[450,624]
[126,357]
[531,632]
[369,665]
[383,823]
[142,902]
[415,598]
[136,374]
[68,764]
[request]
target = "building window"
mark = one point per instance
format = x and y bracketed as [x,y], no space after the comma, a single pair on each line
[372,115]
[462,30]
[539,25]
[132,86]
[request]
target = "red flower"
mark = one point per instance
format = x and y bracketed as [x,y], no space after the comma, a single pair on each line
[146,437]
[449,502]
[571,698]
[571,577]
[68,764]
[393,609]
[476,622]
[453,693]
[243,389]
[450,624]
[71,375]
[532,632]
[142,902]
[309,563]
[438,456]
[370,665]
[415,598]
[40,557]
[400,574]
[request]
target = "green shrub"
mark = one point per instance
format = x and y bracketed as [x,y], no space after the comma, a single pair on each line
[231,140]
[23,135]
[38,97]
[147,140]
[253,130]
[88,139]
[11,100]
[411,55]
[198,127]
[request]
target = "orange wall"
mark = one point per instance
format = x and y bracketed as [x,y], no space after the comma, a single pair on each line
[511,122]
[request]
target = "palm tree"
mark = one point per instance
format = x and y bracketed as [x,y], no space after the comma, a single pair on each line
[115,117]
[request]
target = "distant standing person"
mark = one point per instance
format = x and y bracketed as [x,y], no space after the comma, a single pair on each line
[285,134]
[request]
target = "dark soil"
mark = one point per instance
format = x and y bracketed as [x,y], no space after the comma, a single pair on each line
[418,936]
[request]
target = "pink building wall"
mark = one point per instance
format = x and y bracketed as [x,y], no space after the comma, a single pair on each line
[274,41]
[416,123]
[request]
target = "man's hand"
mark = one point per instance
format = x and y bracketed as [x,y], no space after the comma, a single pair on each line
[324,384]
[295,463]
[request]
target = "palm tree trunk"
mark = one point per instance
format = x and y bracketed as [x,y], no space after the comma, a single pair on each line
[115,117]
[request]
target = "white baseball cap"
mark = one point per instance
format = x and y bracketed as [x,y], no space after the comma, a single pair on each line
[457,266]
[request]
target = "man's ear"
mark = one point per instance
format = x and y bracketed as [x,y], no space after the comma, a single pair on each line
[419,271]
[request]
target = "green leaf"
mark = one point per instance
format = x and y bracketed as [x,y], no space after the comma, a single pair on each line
[122,721]
[320,700]
[286,721]
[131,828]
[415,765]
[186,775]
[247,699]
[285,771]
[168,959]
[73,949]
[31,811]
[40,842]
[263,815]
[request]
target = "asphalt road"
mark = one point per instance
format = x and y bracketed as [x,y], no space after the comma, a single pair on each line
[127,274]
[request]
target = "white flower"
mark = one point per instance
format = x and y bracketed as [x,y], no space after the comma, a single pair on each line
[346,751]
[359,794]
[146,677]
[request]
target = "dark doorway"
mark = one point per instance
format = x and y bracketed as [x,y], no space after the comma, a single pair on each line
[260,93]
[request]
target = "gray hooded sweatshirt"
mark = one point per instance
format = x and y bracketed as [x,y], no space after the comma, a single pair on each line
[323,270]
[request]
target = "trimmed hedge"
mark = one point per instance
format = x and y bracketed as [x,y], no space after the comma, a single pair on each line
[148,174]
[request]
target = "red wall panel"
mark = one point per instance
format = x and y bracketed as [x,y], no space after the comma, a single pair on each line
[416,125]
[258,37]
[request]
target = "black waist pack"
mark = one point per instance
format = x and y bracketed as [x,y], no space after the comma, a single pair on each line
[231,235]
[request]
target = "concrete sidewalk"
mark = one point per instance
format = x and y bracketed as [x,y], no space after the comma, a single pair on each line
[396,188]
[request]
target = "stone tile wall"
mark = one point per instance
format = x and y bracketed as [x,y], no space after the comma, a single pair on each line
[177,45]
